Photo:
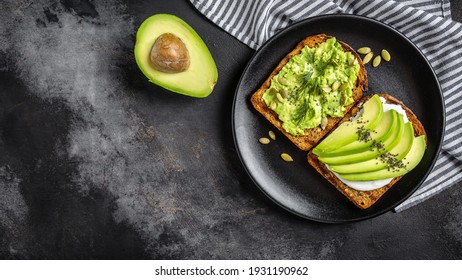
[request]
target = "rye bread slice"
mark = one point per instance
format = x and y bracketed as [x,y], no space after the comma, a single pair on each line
[313,135]
[364,199]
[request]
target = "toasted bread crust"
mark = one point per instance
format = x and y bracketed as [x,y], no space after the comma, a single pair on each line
[311,136]
[364,199]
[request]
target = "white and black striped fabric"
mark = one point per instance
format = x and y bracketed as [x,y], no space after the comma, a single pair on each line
[427,23]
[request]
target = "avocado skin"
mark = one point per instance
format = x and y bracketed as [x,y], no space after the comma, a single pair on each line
[199,79]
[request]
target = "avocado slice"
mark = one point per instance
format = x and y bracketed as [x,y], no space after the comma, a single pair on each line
[382,131]
[386,146]
[411,160]
[172,55]
[347,132]
[398,153]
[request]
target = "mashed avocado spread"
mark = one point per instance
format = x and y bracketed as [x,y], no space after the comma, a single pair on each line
[315,83]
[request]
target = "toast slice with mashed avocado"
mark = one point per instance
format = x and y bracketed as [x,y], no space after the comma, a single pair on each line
[385,167]
[311,89]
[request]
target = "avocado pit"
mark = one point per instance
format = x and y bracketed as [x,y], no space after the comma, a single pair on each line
[169,54]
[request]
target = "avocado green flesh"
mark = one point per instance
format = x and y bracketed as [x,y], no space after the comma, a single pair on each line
[388,144]
[201,76]
[346,133]
[399,151]
[310,84]
[412,159]
[382,131]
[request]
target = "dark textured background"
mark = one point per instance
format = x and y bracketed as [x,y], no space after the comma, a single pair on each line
[98,163]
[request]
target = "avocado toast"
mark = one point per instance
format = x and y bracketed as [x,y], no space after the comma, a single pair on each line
[391,162]
[362,146]
[311,135]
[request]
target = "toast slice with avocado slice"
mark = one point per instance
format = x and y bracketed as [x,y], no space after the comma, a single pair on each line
[395,161]
[274,92]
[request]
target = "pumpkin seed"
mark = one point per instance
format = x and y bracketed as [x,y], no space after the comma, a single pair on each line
[385,55]
[264,140]
[327,89]
[343,99]
[279,97]
[335,86]
[272,91]
[283,81]
[351,60]
[272,135]
[273,105]
[286,157]
[364,50]
[376,61]
[284,93]
[323,122]
[368,57]
[343,87]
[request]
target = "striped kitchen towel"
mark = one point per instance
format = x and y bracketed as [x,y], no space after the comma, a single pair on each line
[426,23]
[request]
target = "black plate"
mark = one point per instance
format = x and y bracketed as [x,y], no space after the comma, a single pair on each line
[296,186]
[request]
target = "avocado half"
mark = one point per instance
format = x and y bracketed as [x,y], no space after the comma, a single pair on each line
[201,75]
